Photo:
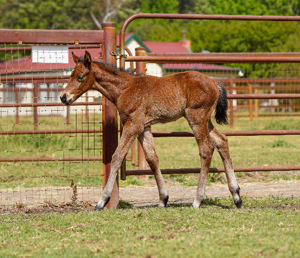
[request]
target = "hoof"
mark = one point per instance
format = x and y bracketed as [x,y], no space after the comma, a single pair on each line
[101,204]
[196,204]
[163,203]
[238,203]
[98,208]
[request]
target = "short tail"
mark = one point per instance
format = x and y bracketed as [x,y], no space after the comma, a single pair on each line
[222,105]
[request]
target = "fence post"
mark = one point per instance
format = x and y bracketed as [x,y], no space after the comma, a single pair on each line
[68,115]
[17,108]
[35,100]
[231,101]
[86,107]
[250,102]
[141,69]
[256,104]
[109,117]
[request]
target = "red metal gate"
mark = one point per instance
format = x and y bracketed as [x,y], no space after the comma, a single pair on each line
[220,58]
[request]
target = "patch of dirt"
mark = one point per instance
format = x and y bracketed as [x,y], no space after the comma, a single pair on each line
[64,207]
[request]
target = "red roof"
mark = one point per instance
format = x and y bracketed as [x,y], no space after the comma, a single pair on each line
[177,47]
[165,47]
[25,64]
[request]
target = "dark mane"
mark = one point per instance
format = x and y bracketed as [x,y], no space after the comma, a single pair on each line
[111,67]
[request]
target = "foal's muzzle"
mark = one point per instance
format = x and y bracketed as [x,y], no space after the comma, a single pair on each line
[64,100]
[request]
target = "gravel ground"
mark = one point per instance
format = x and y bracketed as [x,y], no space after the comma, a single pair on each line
[43,199]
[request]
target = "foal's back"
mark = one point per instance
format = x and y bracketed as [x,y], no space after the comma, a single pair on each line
[164,99]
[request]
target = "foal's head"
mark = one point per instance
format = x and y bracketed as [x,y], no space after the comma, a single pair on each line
[81,80]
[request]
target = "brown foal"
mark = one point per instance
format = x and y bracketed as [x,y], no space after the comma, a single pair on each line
[145,100]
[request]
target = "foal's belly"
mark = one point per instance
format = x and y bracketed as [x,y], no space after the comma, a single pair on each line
[158,114]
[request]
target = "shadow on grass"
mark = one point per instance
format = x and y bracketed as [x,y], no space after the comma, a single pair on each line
[207,202]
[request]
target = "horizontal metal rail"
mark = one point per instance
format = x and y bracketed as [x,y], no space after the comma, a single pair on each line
[50,132]
[213,59]
[260,80]
[216,55]
[49,104]
[267,88]
[263,96]
[65,78]
[158,134]
[231,133]
[22,36]
[51,159]
[38,79]
[10,49]
[30,89]
[213,170]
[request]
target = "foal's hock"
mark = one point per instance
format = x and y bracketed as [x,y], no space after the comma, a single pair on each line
[145,100]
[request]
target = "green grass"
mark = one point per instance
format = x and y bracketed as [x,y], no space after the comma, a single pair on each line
[264,228]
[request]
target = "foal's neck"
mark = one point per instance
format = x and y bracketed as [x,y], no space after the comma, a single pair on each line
[110,81]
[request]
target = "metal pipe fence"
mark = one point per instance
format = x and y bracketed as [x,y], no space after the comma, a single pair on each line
[252,93]
[229,83]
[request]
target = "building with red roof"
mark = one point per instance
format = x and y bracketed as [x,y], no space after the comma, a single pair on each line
[25,67]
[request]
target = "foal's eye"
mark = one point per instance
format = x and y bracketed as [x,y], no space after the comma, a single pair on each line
[80,78]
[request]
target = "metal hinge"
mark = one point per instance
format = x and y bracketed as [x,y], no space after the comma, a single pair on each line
[118,56]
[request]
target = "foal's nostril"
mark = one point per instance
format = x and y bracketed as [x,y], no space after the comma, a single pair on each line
[63,98]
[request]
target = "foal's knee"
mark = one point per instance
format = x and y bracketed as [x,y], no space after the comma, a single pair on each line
[206,151]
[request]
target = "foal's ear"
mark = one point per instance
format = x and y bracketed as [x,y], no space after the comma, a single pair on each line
[75,58]
[87,60]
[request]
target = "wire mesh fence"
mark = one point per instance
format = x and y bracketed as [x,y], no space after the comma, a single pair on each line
[45,146]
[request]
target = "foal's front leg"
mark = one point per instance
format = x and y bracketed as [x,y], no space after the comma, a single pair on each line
[130,132]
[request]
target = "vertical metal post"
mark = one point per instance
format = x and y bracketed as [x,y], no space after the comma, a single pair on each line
[250,102]
[35,108]
[141,69]
[68,115]
[256,104]
[109,117]
[86,107]
[17,108]
[231,101]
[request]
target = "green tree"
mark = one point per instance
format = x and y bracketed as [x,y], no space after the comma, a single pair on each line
[37,14]
[162,6]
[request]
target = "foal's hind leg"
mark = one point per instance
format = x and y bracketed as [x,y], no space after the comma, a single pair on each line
[221,144]
[198,122]
[146,140]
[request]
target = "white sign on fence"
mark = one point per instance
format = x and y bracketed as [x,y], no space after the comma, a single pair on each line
[50,54]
